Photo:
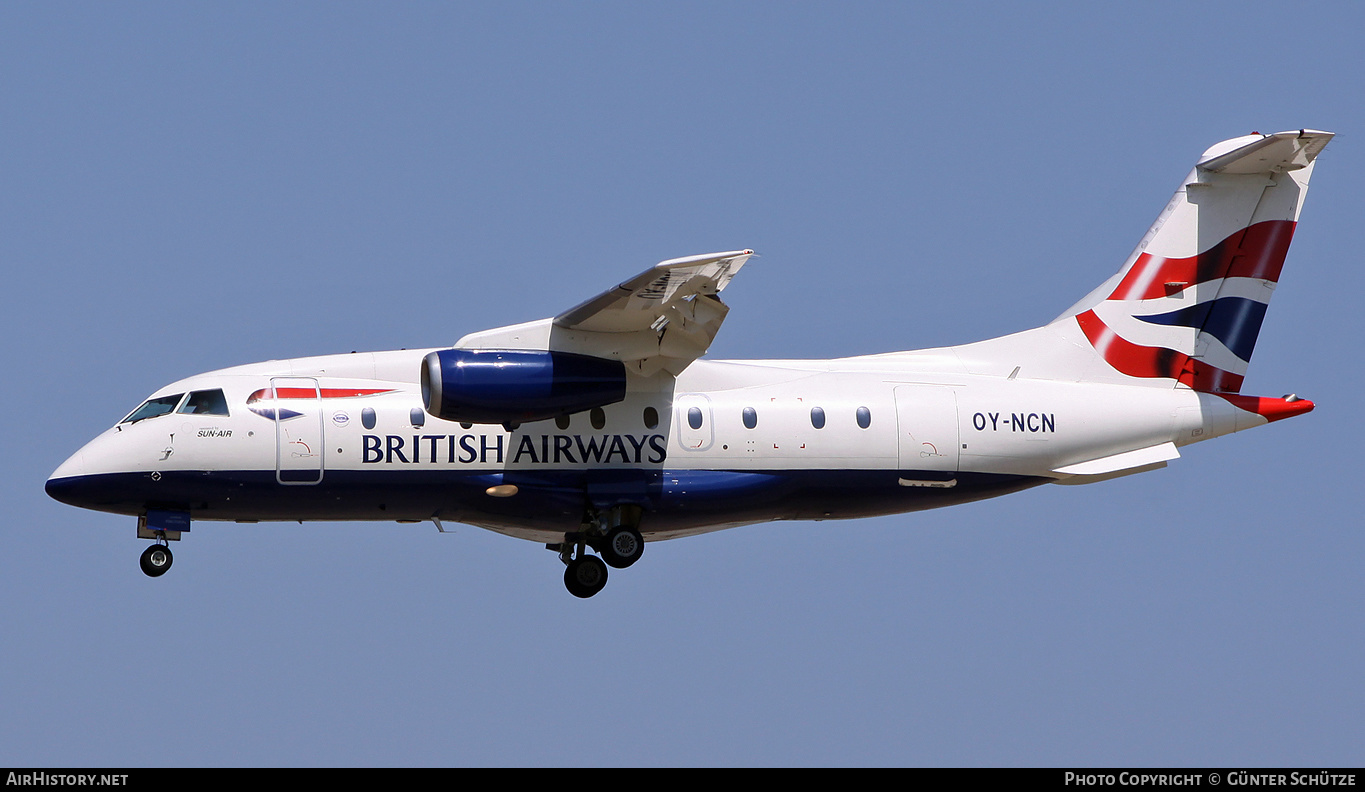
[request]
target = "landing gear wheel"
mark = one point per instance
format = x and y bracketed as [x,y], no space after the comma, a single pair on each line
[585,576]
[622,547]
[156,560]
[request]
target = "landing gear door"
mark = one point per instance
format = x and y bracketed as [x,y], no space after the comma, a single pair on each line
[926,416]
[298,430]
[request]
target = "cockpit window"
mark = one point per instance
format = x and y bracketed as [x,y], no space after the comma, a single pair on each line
[205,402]
[153,407]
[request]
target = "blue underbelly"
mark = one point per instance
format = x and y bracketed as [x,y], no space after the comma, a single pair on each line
[545,500]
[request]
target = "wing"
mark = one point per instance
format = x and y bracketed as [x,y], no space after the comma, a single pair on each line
[662,319]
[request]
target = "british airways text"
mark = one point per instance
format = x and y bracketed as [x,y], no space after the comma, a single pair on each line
[542,449]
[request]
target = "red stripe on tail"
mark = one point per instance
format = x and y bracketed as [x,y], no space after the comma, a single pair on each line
[1254,252]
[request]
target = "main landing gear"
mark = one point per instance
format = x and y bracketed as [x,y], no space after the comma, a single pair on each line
[616,538]
[585,576]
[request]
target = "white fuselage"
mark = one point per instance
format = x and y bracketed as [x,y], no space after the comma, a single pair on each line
[726,443]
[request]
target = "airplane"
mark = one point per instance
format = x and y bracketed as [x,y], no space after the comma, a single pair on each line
[603,429]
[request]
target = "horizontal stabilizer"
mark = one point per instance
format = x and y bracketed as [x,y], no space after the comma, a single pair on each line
[1283,151]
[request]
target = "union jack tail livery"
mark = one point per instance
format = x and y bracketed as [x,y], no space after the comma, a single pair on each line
[1187,306]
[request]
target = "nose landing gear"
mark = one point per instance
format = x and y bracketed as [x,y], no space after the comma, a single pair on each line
[161,526]
[156,560]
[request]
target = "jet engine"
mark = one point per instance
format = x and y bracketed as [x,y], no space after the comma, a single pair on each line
[487,386]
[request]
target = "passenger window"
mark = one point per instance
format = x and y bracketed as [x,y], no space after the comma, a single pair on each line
[651,417]
[562,421]
[598,418]
[367,417]
[750,418]
[418,417]
[817,417]
[206,402]
[153,408]
[694,417]
[864,417]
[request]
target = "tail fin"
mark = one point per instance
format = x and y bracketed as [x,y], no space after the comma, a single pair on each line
[1188,304]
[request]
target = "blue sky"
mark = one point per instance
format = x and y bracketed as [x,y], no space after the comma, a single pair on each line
[192,186]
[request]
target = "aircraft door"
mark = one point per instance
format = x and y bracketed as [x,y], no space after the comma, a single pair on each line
[298,430]
[693,420]
[926,417]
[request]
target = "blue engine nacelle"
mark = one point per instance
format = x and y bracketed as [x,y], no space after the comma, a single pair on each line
[517,386]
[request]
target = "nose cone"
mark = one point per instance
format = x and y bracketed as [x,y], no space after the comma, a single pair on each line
[65,482]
